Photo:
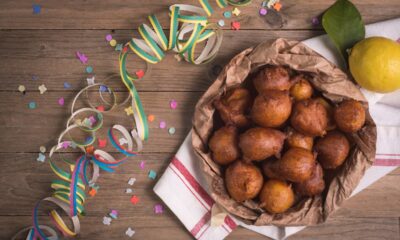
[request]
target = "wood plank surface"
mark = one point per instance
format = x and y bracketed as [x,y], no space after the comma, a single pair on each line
[120,14]
[44,45]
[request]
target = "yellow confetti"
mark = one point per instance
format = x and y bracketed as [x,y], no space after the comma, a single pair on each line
[236,11]
[129,111]
[113,43]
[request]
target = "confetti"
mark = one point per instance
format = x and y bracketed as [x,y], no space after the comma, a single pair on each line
[173,104]
[90,81]
[82,57]
[122,141]
[236,11]
[41,157]
[315,21]
[34,78]
[152,174]
[134,199]
[128,190]
[140,73]
[107,221]
[142,165]
[21,88]
[100,108]
[114,214]
[235,25]
[89,149]
[227,14]
[89,69]
[65,144]
[92,192]
[263,12]
[119,47]
[42,149]
[171,130]
[92,120]
[264,4]
[129,110]
[61,101]
[277,6]
[42,88]
[32,105]
[36,8]
[163,124]
[158,209]
[131,181]
[113,43]
[67,85]
[109,37]
[271,3]
[102,142]
[130,232]
[221,23]
[151,118]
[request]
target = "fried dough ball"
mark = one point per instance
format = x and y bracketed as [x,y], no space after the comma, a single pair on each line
[260,143]
[329,110]
[349,116]
[233,105]
[224,145]
[271,109]
[309,117]
[276,196]
[332,149]
[301,89]
[272,78]
[296,139]
[296,165]
[313,186]
[243,181]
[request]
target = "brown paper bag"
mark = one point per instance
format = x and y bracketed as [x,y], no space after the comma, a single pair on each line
[328,79]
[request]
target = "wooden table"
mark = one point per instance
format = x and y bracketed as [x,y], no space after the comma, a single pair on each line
[44,45]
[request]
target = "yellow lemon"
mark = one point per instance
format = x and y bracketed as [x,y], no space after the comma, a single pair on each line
[375,64]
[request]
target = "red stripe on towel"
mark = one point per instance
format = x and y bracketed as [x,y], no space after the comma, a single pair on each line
[387,162]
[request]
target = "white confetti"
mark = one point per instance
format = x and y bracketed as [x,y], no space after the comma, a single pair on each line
[107,221]
[130,232]
[128,190]
[131,181]
[90,81]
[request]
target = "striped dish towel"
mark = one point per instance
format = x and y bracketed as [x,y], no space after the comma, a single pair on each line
[184,190]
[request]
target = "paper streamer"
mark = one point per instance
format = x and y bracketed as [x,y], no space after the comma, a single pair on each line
[188,27]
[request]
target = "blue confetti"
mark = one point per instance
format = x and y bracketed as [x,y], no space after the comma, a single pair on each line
[152,174]
[67,85]
[36,8]
[41,157]
[119,47]
[32,105]
[89,69]
[103,88]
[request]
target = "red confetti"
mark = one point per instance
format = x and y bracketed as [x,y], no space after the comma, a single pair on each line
[102,142]
[235,25]
[140,73]
[89,149]
[125,49]
[134,199]
[100,108]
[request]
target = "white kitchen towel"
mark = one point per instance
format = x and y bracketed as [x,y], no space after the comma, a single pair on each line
[184,190]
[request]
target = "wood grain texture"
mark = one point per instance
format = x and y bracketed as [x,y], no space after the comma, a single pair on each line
[44,45]
[120,14]
[50,54]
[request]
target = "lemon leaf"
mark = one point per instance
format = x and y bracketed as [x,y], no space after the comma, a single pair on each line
[344,26]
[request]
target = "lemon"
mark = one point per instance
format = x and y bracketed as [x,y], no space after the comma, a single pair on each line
[375,64]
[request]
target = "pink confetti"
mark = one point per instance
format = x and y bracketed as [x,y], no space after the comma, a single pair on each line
[61,101]
[263,12]
[109,37]
[65,144]
[163,124]
[102,142]
[82,57]
[173,104]
[142,163]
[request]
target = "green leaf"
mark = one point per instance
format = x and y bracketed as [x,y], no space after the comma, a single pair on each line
[344,26]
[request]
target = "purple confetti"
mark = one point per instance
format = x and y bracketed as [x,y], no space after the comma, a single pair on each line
[82,57]
[163,124]
[315,21]
[109,37]
[263,12]
[158,209]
